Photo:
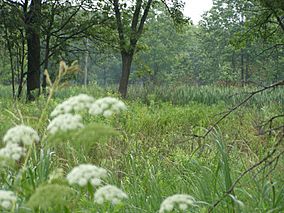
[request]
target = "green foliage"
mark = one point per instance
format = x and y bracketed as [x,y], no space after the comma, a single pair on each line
[83,139]
[234,37]
[149,151]
[52,198]
[207,95]
[152,151]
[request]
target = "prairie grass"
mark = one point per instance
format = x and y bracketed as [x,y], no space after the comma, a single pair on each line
[152,154]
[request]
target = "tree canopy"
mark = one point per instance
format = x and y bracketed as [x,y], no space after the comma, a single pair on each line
[142,41]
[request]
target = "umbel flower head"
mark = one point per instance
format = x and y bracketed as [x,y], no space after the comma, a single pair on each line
[73,104]
[107,106]
[110,194]
[12,151]
[86,173]
[7,198]
[21,134]
[64,123]
[178,201]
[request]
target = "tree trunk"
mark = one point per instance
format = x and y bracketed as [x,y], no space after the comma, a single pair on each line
[126,67]
[11,58]
[33,74]
[20,88]
[46,62]
[242,70]
[21,76]
[12,67]
[136,29]
[33,44]
[247,67]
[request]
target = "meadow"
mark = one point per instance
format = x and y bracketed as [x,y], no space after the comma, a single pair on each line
[151,151]
[133,106]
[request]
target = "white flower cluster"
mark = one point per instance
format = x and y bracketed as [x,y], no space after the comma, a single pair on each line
[107,106]
[12,151]
[7,198]
[21,134]
[110,194]
[15,139]
[65,122]
[86,173]
[179,201]
[73,104]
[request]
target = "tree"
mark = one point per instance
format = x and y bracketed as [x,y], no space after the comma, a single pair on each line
[275,8]
[130,21]
[44,28]
[28,14]
[164,52]
[32,21]
[236,37]
[128,46]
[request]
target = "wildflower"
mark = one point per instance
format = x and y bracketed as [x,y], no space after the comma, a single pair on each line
[107,106]
[12,151]
[51,198]
[21,134]
[109,193]
[86,173]
[73,104]
[64,123]
[179,201]
[7,198]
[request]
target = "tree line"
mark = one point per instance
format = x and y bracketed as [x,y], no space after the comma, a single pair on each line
[145,41]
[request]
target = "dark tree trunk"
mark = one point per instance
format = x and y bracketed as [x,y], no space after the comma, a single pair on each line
[20,88]
[136,30]
[127,59]
[33,74]
[33,44]
[21,75]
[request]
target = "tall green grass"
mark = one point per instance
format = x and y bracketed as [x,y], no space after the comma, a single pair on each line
[154,155]
[177,95]
[209,95]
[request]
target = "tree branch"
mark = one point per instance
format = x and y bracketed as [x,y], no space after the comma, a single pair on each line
[251,94]
[67,21]
[135,17]
[263,160]
[119,25]
[144,17]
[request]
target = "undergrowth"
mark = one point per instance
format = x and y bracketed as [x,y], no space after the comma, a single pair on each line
[149,151]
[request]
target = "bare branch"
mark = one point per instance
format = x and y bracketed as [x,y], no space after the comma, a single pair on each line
[251,94]
[67,20]
[13,3]
[251,168]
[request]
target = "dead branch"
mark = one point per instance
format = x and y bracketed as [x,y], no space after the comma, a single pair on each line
[230,111]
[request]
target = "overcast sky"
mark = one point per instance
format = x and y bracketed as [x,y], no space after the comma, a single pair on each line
[195,8]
